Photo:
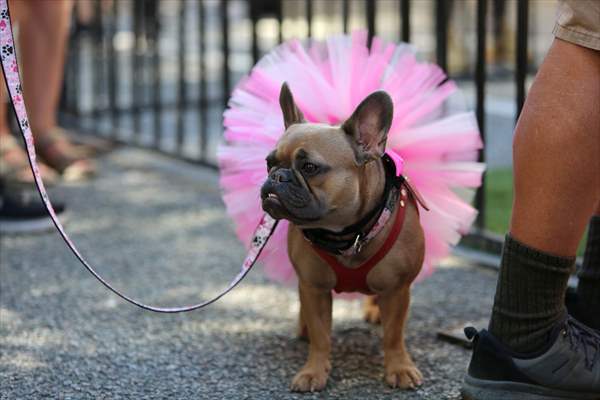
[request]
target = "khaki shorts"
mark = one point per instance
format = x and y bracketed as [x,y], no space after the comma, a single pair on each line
[578,22]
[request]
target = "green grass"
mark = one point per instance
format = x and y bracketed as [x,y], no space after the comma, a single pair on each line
[498,198]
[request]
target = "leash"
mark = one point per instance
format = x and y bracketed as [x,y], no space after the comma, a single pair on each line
[10,69]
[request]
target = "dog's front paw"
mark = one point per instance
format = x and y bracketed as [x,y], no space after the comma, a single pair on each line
[403,375]
[310,379]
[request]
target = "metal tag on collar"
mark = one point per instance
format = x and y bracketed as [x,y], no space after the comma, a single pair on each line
[357,246]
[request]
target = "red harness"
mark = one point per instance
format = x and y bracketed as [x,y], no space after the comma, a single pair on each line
[355,279]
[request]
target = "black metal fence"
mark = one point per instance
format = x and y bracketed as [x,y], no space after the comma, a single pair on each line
[158,73]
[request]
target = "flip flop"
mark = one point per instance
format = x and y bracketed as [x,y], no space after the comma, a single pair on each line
[69,160]
[14,165]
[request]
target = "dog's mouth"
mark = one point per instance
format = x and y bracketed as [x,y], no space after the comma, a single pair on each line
[273,205]
[276,208]
[273,197]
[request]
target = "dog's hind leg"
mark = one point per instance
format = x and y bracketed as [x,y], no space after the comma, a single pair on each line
[372,313]
[302,332]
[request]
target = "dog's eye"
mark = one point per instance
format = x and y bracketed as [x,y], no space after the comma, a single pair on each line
[309,168]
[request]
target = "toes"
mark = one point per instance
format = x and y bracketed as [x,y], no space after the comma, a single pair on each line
[404,378]
[309,382]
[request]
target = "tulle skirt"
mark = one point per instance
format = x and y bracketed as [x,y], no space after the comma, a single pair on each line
[437,138]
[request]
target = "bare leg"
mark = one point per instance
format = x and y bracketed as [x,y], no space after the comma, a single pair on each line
[557,186]
[4,129]
[556,148]
[14,167]
[43,30]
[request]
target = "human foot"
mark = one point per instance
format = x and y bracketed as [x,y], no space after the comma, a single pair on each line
[14,165]
[568,368]
[58,151]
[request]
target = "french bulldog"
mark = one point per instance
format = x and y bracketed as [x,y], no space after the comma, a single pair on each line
[327,178]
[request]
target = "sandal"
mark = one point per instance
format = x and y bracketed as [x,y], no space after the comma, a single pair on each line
[59,153]
[90,145]
[86,145]
[14,164]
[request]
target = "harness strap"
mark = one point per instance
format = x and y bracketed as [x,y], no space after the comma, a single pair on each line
[355,279]
[10,69]
[353,238]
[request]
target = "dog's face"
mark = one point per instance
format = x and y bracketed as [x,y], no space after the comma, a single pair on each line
[316,170]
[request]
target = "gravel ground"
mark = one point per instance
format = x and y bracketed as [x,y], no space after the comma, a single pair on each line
[157,229]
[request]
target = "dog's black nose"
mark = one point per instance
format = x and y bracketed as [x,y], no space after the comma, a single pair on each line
[281,175]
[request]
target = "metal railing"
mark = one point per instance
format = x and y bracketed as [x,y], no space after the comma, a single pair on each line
[145,71]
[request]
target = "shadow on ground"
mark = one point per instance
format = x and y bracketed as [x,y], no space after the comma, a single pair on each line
[157,229]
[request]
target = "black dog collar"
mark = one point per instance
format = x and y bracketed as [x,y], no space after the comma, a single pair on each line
[352,238]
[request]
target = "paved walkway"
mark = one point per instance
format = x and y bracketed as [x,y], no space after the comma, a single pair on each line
[157,228]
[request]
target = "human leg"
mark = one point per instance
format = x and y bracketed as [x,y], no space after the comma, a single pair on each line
[557,183]
[43,30]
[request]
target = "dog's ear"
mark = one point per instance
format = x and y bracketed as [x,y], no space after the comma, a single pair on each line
[291,113]
[368,126]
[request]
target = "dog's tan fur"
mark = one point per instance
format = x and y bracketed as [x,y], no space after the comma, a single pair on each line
[350,190]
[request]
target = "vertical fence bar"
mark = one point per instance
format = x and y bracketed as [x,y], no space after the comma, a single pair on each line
[371,10]
[309,16]
[156,75]
[521,69]
[70,86]
[480,107]
[138,15]
[112,68]
[279,15]
[202,71]
[225,50]
[70,82]
[254,21]
[441,33]
[405,17]
[181,87]
[97,69]
[345,14]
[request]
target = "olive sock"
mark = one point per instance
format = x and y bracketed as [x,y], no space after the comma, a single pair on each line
[530,296]
[588,289]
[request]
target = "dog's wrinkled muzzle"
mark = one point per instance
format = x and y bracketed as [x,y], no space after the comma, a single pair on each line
[284,197]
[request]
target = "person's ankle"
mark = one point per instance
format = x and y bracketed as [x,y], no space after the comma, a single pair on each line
[529,300]
[44,128]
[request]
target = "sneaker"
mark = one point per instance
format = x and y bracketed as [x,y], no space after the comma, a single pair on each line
[22,211]
[569,368]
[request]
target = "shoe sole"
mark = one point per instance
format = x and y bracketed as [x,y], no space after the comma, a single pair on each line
[478,389]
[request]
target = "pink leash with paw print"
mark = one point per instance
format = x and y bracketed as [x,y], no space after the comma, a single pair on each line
[10,69]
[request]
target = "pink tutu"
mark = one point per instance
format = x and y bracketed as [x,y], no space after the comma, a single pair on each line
[329,79]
